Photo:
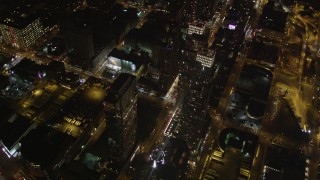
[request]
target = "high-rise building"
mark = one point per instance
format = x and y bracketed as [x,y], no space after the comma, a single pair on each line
[206,57]
[197,27]
[197,43]
[121,106]
[21,29]
[166,53]
[160,36]
[198,9]
[78,35]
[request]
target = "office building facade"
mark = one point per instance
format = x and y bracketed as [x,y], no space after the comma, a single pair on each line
[21,31]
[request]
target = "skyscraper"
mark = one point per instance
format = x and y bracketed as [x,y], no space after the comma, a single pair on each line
[121,107]
[21,29]
[79,39]
[198,9]
[166,51]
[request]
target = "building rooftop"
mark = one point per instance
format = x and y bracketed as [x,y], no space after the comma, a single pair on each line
[18,19]
[196,42]
[86,104]
[120,85]
[233,159]
[273,19]
[288,164]
[11,131]
[28,69]
[80,21]
[147,82]
[135,57]
[209,52]
[82,109]
[70,80]
[6,112]
[263,52]
[197,23]
[76,170]
[248,141]
[156,30]
[255,81]
[225,38]
[44,145]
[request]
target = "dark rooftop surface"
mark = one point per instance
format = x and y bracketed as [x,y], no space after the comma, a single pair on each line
[6,112]
[19,19]
[273,19]
[28,68]
[256,81]
[225,39]
[10,132]
[263,52]
[290,163]
[153,30]
[168,171]
[77,171]
[288,123]
[44,144]
[119,86]
[120,81]
[147,82]
[224,33]
[4,81]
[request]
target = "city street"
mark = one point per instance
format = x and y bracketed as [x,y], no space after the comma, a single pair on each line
[155,139]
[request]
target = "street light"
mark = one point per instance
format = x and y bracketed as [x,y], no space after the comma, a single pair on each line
[154,165]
